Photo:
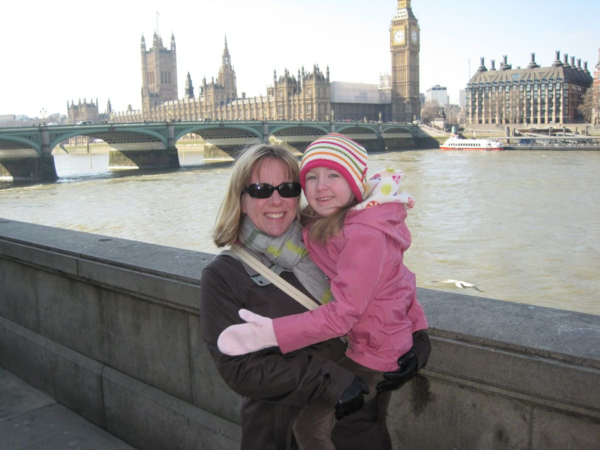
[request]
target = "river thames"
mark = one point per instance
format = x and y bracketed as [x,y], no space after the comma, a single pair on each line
[524,226]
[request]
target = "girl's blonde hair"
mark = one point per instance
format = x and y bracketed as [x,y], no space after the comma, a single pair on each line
[321,229]
[230,216]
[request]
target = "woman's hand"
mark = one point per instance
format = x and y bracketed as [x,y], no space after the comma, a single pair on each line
[247,337]
[352,399]
[409,364]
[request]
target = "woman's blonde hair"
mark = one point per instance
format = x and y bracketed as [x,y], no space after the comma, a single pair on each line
[230,216]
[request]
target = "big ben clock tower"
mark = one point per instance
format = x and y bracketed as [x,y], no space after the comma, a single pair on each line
[405,41]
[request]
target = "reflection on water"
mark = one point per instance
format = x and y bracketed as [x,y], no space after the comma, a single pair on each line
[522,225]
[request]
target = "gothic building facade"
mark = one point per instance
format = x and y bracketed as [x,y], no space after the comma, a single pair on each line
[306,95]
[159,73]
[534,95]
[596,94]
[405,44]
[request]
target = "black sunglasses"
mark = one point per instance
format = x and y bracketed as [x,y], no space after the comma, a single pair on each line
[264,190]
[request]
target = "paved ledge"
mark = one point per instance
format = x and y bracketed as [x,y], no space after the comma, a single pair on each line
[30,419]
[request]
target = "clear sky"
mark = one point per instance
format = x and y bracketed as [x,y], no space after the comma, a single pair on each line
[54,52]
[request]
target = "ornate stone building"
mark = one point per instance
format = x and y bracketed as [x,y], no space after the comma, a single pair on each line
[306,95]
[596,94]
[534,95]
[405,41]
[159,73]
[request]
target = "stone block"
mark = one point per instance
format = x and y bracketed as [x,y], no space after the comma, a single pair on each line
[209,389]
[161,289]
[153,420]
[71,313]
[541,378]
[77,382]
[23,353]
[138,337]
[555,430]
[39,257]
[429,414]
[18,299]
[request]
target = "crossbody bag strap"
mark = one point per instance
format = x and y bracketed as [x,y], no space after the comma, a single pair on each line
[286,287]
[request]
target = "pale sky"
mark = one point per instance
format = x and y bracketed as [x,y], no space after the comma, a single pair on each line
[63,50]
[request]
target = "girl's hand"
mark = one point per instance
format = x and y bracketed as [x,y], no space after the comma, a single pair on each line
[247,337]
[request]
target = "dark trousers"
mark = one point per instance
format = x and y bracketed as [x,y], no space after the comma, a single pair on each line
[315,422]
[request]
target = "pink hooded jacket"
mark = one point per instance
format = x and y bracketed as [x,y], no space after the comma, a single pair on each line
[375,294]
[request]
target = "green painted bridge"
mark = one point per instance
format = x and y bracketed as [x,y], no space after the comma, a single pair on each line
[26,153]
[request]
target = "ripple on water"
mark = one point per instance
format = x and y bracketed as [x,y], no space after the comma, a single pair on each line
[520,226]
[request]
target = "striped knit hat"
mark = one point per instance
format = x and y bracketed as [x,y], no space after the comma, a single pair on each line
[336,151]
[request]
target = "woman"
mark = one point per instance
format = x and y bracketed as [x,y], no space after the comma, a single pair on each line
[260,212]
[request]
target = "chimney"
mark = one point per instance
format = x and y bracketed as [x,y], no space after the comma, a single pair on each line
[557,62]
[482,67]
[532,64]
[493,64]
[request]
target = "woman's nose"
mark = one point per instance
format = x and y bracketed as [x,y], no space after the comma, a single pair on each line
[275,199]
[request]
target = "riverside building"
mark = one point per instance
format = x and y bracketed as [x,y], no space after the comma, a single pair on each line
[596,94]
[305,95]
[534,95]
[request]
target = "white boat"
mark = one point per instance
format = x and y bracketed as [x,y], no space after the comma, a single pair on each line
[457,143]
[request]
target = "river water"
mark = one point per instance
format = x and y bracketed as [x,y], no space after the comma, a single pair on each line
[524,226]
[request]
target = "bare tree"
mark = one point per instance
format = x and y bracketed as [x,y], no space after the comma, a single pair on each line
[429,111]
[587,106]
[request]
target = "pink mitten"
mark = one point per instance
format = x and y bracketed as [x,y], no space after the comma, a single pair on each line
[247,337]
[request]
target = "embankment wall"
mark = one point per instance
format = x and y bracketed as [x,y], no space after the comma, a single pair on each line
[111,329]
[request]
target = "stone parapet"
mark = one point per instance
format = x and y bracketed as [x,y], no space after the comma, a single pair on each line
[111,329]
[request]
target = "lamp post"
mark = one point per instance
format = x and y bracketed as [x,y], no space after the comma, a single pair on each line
[332,115]
[43,114]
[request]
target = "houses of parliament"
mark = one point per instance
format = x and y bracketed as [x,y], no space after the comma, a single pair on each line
[307,95]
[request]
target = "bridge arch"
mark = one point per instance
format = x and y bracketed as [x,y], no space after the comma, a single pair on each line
[218,131]
[275,129]
[6,143]
[358,128]
[112,135]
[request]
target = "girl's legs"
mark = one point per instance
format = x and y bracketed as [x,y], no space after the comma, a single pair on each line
[315,422]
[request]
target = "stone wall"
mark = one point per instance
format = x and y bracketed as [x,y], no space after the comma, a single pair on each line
[111,329]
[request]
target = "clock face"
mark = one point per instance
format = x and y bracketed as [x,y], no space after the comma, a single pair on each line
[399,36]
[414,36]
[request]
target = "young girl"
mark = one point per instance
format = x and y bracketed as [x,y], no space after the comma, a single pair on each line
[355,232]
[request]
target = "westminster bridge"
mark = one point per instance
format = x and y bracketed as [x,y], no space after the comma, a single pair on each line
[26,152]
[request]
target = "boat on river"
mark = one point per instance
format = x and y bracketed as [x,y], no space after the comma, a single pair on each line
[456,142]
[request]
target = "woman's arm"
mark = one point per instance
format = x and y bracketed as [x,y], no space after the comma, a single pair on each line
[269,376]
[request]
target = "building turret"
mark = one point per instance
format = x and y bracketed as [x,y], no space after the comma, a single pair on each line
[189,88]
[226,78]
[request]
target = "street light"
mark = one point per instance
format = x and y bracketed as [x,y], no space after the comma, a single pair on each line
[332,115]
[43,114]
